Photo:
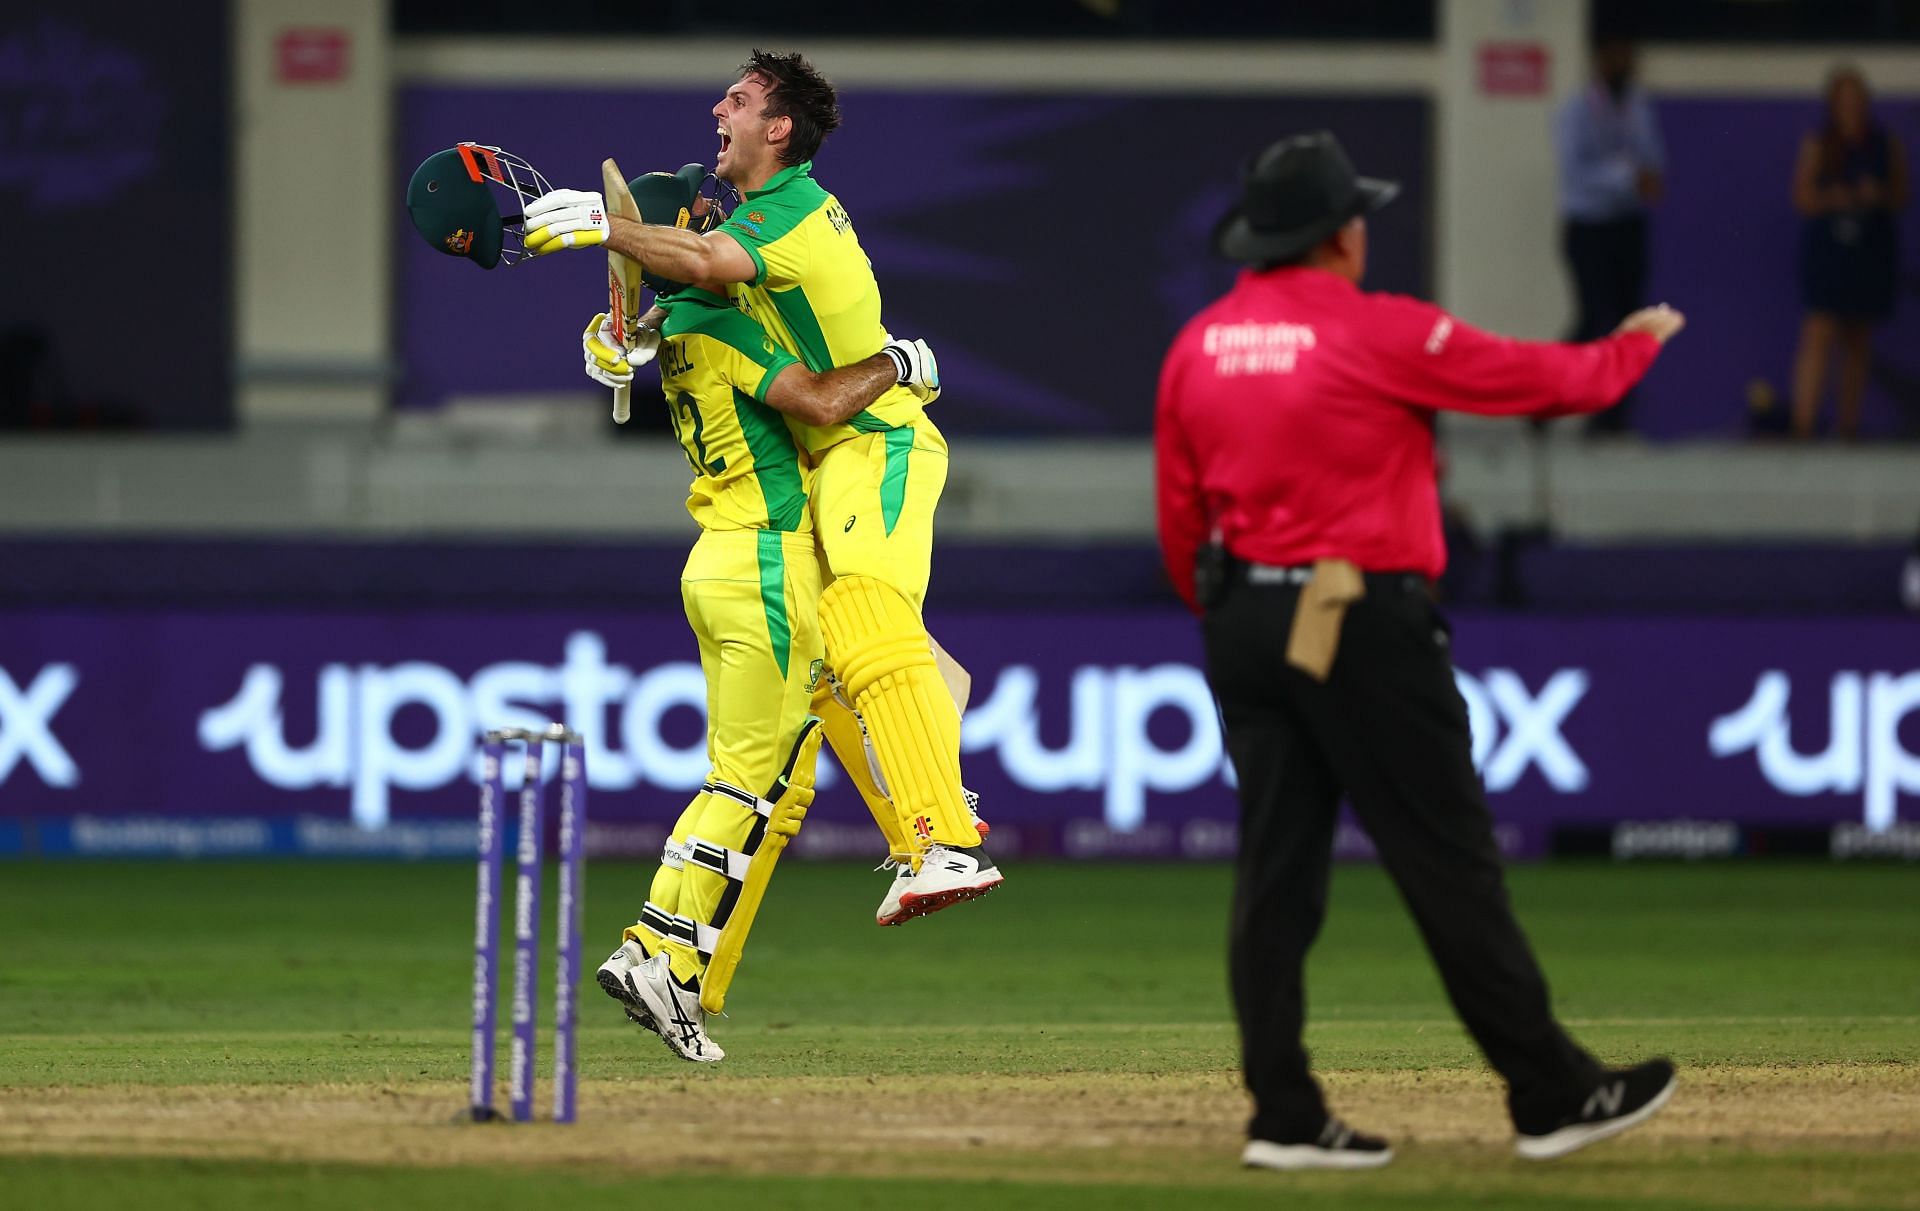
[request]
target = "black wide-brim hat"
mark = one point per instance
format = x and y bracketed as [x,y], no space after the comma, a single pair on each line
[1295,194]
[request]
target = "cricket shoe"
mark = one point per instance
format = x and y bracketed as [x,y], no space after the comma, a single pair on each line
[946,877]
[1338,1146]
[613,980]
[675,1010]
[889,912]
[1625,1097]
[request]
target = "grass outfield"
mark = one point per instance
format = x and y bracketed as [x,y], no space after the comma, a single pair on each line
[229,1034]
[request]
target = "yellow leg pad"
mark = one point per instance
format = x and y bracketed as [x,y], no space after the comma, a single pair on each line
[790,797]
[880,650]
[847,738]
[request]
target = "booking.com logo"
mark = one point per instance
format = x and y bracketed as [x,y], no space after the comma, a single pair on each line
[1109,746]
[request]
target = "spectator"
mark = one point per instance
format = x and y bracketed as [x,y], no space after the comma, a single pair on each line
[1611,166]
[1849,180]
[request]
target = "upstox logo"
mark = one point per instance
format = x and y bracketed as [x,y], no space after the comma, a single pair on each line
[354,746]
[1112,746]
[1863,754]
[26,724]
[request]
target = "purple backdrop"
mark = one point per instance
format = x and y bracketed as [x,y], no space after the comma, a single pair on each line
[1003,228]
[1090,734]
[113,118]
[1724,243]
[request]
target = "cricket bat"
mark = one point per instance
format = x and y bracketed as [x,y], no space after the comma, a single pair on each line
[959,681]
[623,280]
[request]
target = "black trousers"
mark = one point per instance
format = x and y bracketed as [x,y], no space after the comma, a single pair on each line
[1388,730]
[1609,265]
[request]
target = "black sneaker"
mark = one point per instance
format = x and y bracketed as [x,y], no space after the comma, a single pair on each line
[1338,1147]
[1625,1097]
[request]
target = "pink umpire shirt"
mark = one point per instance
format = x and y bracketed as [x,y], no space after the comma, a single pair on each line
[1295,418]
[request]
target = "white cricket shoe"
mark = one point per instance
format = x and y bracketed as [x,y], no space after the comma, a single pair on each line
[890,912]
[613,980]
[675,1010]
[946,877]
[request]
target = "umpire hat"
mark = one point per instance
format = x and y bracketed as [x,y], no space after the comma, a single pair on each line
[1295,194]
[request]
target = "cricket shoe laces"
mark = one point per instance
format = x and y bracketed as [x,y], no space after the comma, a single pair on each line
[675,1008]
[890,912]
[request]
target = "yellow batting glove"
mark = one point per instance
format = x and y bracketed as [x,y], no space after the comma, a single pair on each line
[599,344]
[606,362]
[565,218]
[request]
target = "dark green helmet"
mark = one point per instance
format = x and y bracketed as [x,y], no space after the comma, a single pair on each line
[452,204]
[669,199]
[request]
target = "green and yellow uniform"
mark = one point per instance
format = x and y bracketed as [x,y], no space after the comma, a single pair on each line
[877,483]
[751,588]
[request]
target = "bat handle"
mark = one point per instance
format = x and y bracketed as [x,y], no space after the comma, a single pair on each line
[622,404]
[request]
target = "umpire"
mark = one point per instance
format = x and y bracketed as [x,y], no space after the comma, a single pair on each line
[1299,515]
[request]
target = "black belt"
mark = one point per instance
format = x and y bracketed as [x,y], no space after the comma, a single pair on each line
[1267,575]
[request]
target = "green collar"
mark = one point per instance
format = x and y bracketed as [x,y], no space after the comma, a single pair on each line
[783,178]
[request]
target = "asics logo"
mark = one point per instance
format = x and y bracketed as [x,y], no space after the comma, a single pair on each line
[689,1030]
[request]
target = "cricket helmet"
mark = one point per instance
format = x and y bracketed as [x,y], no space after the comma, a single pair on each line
[675,199]
[453,203]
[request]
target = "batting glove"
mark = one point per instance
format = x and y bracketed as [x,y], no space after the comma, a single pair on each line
[606,363]
[918,370]
[565,218]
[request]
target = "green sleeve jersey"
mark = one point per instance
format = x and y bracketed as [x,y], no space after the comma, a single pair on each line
[715,367]
[814,292]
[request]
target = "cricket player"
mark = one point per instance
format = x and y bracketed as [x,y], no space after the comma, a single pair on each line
[751,589]
[789,258]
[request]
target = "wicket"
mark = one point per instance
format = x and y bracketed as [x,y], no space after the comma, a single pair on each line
[526,921]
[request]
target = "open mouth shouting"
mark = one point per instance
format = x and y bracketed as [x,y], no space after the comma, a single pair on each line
[726,140]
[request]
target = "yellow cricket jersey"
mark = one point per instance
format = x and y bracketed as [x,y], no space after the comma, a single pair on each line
[715,368]
[814,293]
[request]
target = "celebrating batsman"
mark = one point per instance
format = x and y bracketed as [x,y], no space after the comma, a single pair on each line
[789,259]
[751,589]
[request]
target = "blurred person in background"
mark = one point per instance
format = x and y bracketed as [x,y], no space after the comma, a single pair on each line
[1849,180]
[1910,578]
[1611,170]
[1299,516]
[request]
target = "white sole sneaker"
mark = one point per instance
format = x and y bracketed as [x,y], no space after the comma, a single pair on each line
[920,904]
[1265,1154]
[1577,1136]
[614,986]
[612,977]
[946,877]
[676,1013]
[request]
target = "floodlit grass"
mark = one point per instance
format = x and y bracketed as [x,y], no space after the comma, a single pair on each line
[232,1034]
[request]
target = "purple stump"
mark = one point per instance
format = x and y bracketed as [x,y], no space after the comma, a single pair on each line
[526,933]
[573,894]
[486,928]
